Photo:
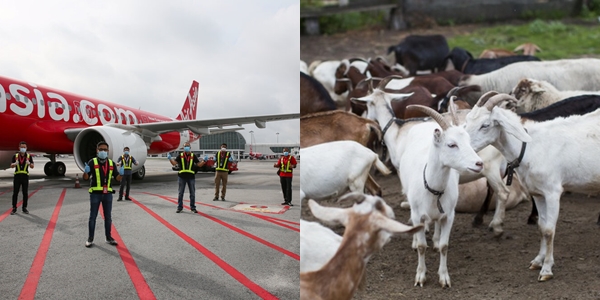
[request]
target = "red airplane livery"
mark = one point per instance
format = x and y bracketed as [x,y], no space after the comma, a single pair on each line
[58,122]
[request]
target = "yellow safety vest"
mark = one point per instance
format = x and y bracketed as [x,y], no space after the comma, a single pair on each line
[183,166]
[99,186]
[18,170]
[222,166]
[127,165]
[286,167]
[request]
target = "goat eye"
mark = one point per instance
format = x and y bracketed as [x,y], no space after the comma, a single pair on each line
[452,145]
[484,126]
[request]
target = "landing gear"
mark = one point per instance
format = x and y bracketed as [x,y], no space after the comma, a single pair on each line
[53,167]
[140,174]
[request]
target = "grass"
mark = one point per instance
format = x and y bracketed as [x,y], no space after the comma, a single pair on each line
[557,39]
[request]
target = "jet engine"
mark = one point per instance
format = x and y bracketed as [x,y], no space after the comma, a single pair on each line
[84,147]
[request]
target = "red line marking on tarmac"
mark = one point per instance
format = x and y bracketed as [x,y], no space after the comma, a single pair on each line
[35,272]
[138,280]
[7,213]
[273,220]
[242,232]
[237,275]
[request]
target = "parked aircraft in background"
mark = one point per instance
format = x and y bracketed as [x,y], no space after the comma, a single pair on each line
[57,122]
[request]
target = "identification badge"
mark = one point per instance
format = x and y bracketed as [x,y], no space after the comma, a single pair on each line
[105,190]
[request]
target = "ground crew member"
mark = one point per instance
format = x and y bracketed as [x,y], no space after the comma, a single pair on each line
[22,161]
[222,159]
[101,171]
[187,175]
[126,161]
[285,164]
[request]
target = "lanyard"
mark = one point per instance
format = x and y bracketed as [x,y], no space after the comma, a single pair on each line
[105,170]
[22,159]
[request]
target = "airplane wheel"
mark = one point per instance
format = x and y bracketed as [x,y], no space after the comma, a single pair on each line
[140,174]
[59,169]
[48,169]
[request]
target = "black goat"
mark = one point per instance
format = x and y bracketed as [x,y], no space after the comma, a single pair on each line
[313,96]
[421,52]
[463,61]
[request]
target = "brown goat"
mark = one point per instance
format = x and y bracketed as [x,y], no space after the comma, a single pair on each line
[528,48]
[495,53]
[313,96]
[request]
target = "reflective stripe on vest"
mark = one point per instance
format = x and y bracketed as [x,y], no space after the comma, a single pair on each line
[127,164]
[286,168]
[222,166]
[18,169]
[99,186]
[189,168]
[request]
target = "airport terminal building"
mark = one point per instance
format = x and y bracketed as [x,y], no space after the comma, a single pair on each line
[236,143]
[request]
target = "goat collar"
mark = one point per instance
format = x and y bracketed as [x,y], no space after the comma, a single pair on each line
[387,126]
[436,193]
[510,167]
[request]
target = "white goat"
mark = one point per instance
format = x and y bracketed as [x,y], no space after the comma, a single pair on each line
[564,74]
[535,94]
[427,157]
[553,156]
[335,168]
[324,72]
[303,67]
[368,229]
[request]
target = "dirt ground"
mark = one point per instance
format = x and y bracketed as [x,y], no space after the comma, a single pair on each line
[480,266]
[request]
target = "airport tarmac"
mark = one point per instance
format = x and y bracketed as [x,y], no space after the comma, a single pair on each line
[246,247]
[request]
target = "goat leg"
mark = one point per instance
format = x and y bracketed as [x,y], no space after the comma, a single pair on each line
[478,220]
[533,217]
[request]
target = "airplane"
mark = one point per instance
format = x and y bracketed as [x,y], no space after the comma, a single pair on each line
[56,122]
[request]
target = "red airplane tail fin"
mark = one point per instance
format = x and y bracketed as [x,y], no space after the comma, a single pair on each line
[188,111]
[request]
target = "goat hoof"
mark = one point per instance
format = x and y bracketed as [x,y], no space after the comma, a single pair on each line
[543,278]
[533,266]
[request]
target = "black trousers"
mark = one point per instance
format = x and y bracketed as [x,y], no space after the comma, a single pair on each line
[125,183]
[21,180]
[286,188]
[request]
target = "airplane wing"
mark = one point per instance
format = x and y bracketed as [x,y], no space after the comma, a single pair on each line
[202,127]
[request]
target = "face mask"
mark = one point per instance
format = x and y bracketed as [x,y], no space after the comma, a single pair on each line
[187,148]
[223,149]
[23,150]
[285,153]
[102,154]
[126,152]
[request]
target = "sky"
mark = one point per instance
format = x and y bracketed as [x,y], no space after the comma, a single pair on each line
[145,54]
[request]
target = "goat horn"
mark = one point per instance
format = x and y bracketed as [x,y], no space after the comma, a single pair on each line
[497,99]
[386,80]
[484,98]
[453,91]
[452,110]
[432,113]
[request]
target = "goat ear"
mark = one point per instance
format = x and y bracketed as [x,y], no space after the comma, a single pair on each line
[537,88]
[394,226]
[328,214]
[517,130]
[437,135]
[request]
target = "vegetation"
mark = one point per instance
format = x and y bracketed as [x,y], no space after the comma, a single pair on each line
[557,39]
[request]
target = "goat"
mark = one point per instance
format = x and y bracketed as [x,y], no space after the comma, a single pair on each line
[324,72]
[421,52]
[495,53]
[544,156]
[535,94]
[368,228]
[463,61]
[528,48]
[303,67]
[342,166]
[313,96]
[427,170]
[338,125]
[564,74]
